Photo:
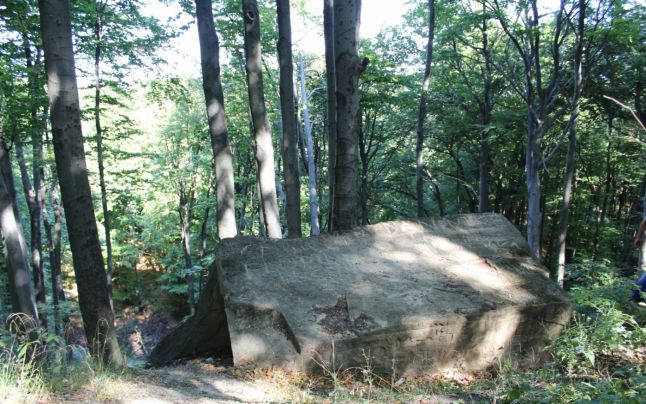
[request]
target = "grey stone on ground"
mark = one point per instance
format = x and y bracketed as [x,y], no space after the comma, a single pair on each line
[455,294]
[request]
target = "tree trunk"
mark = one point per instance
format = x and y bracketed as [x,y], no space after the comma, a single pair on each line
[532,175]
[330,71]
[601,216]
[185,209]
[287,108]
[421,114]
[53,236]
[201,252]
[214,98]
[571,148]
[311,163]
[364,162]
[262,132]
[98,34]
[483,157]
[346,39]
[67,137]
[20,287]
[34,220]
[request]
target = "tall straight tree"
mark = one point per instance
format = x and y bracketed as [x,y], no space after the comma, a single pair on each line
[214,98]
[348,68]
[288,142]
[20,287]
[421,115]
[568,180]
[67,137]
[330,74]
[262,131]
[311,163]
[539,94]
[486,106]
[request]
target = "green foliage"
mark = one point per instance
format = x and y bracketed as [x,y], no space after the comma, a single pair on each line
[601,328]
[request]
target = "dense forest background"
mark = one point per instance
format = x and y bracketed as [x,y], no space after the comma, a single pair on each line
[534,111]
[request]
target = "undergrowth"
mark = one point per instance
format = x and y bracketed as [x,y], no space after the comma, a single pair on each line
[37,366]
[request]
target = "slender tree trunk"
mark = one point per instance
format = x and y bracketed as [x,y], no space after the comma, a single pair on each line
[601,216]
[330,71]
[438,198]
[262,132]
[421,114]
[532,175]
[53,236]
[483,163]
[203,233]
[67,137]
[214,98]
[311,163]
[30,196]
[571,149]
[20,287]
[287,108]
[364,161]
[98,34]
[346,39]
[185,209]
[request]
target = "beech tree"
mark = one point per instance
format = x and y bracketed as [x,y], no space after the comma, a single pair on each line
[419,149]
[540,86]
[288,141]
[261,128]
[311,163]
[348,67]
[330,81]
[94,302]
[20,286]
[568,180]
[214,98]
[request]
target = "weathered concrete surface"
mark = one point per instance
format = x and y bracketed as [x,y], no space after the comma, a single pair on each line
[431,295]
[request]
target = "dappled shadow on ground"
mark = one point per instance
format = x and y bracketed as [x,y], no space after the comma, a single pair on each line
[191,382]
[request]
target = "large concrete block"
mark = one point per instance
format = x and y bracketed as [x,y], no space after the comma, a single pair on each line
[459,293]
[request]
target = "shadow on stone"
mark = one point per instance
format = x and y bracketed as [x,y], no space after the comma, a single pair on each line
[431,295]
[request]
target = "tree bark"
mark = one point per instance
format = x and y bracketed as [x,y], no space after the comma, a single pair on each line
[601,215]
[20,286]
[31,193]
[311,163]
[53,235]
[214,98]
[34,220]
[262,132]
[421,114]
[540,99]
[98,35]
[67,137]
[330,71]
[571,149]
[485,115]
[289,141]
[348,67]
[185,213]
[364,161]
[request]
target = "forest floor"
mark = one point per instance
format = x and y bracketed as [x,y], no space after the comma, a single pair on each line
[206,381]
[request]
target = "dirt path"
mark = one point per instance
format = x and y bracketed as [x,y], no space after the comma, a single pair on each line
[193,382]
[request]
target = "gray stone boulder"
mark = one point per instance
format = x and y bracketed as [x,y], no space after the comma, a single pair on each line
[459,293]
